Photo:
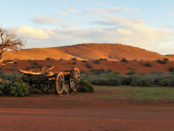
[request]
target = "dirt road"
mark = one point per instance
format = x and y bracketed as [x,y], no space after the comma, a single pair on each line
[53,112]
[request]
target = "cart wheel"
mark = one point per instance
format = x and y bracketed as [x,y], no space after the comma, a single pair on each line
[74,79]
[60,85]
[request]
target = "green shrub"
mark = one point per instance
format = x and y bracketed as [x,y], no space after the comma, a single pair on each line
[148,64]
[85,86]
[136,81]
[28,68]
[124,60]
[97,61]
[35,63]
[97,71]
[88,65]
[17,88]
[131,71]
[82,72]
[84,61]
[10,77]
[101,77]
[164,82]
[171,69]
[49,59]
[74,59]
[12,69]
[103,59]
[15,63]
[36,91]
[164,61]
[74,63]
[114,82]
[34,66]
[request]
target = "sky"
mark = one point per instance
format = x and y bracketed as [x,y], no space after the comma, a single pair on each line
[49,23]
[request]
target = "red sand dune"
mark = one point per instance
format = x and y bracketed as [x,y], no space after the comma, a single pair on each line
[170,56]
[113,52]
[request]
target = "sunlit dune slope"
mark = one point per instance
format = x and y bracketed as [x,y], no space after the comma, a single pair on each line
[86,51]
[170,56]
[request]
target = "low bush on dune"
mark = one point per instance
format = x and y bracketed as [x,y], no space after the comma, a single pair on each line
[84,61]
[164,61]
[49,59]
[74,59]
[103,59]
[97,61]
[85,86]
[148,64]
[124,60]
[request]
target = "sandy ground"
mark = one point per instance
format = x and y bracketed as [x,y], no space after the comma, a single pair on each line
[77,112]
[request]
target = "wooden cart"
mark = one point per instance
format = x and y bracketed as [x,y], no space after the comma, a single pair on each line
[64,82]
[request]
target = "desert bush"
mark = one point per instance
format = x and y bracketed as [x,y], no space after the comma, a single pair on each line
[17,88]
[74,59]
[96,61]
[84,61]
[82,72]
[138,80]
[35,63]
[101,77]
[88,65]
[10,77]
[103,59]
[15,63]
[29,60]
[12,69]
[97,71]
[164,82]
[85,86]
[131,71]
[164,61]
[74,62]
[34,66]
[49,59]
[27,68]
[124,60]
[114,81]
[148,64]
[171,69]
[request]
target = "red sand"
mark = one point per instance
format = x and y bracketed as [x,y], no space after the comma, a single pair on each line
[43,113]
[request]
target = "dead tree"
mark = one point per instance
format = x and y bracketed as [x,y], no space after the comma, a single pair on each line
[8,41]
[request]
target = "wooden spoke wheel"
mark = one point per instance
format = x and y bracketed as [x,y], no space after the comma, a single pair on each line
[60,84]
[74,79]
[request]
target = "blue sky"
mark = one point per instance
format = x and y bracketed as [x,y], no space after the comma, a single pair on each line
[47,23]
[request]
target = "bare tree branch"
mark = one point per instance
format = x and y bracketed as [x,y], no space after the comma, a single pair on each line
[8,41]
